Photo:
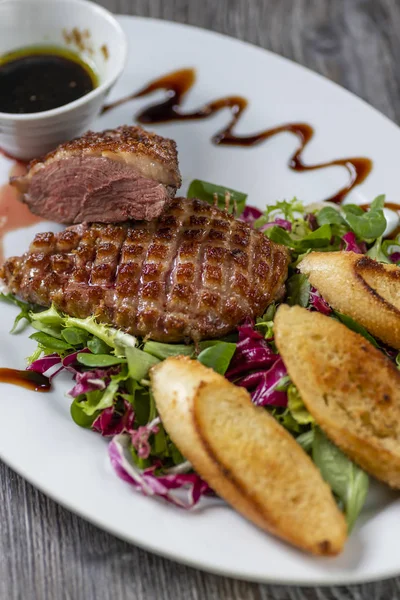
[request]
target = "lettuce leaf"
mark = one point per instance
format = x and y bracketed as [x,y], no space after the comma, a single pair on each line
[297,407]
[367,225]
[218,356]
[208,191]
[298,290]
[23,315]
[347,480]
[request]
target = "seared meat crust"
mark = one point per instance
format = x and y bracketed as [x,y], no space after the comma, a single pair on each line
[195,272]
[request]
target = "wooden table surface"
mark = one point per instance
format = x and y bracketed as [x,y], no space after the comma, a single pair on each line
[47,553]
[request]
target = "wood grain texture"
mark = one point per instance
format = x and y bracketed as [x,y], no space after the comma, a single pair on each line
[47,553]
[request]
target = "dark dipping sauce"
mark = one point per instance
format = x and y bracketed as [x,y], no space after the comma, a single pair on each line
[27,379]
[35,79]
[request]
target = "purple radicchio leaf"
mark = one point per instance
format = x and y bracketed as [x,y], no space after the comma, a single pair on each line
[252,353]
[140,437]
[318,303]
[311,220]
[351,244]
[395,257]
[170,487]
[89,381]
[49,365]
[69,362]
[250,215]
[284,223]
[110,422]
[262,385]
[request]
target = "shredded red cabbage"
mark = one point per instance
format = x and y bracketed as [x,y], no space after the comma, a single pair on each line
[170,486]
[110,422]
[351,244]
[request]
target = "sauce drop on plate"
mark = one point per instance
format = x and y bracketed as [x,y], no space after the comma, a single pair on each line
[27,379]
[37,79]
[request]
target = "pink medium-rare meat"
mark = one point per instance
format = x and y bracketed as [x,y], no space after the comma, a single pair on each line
[115,175]
[193,273]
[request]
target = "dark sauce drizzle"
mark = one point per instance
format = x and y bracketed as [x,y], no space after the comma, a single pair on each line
[27,379]
[178,83]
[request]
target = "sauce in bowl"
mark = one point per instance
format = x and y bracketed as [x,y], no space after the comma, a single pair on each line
[36,79]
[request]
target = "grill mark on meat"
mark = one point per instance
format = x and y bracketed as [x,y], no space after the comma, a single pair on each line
[193,273]
[171,274]
[146,244]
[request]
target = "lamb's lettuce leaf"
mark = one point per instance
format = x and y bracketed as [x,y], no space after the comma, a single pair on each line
[348,482]
[218,356]
[209,192]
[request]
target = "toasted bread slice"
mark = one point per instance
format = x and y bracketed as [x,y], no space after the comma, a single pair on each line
[351,388]
[362,288]
[246,456]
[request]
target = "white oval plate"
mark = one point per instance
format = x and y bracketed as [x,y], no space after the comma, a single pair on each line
[37,436]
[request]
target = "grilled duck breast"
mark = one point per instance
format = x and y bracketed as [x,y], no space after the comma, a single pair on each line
[195,272]
[106,177]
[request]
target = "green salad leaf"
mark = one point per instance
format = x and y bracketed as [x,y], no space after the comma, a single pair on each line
[208,191]
[50,342]
[377,252]
[297,407]
[347,480]
[51,316]
[99,400]
[285,418]
[290,210]
[320,238]
[74,336]
[99,361]
[139,363]
[79,416]
[333,223]
[298,290]
[95,345]
[23,315]
[316,239]
[367,225]
[109,335]
[330,216]
[52,330]
[354,326]
[140,400]
[163,351]
[218,356]
[306,440]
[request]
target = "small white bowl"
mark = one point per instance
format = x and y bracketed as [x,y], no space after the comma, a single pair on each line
[80,26]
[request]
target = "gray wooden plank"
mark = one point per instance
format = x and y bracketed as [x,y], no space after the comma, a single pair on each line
[47,553]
